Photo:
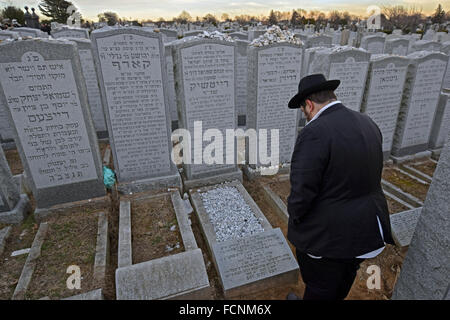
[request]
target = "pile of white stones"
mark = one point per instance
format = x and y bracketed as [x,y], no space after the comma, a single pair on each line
[275,35]
[229,214]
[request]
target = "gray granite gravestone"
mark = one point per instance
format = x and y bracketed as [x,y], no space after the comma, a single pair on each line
[205,83]
[396,46]
[319,41]
[419,103]
[133,81]
[308,58]
[403,225]
[76,33]
[192,33]
[31,32]
[241,80]
[5,34]
[425,45]
[254,34]
[239,35]
[274,72]
[441,123]
[45,94]
[383,95]
[426,268]
[350,66]
[446,83]
[13,205]
[90,76]
[169,35]
[171,85]
[373,44]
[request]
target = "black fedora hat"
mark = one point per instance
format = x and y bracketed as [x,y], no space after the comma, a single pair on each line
[309,85]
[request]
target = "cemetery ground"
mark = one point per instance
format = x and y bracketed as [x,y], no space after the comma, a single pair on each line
[71,238]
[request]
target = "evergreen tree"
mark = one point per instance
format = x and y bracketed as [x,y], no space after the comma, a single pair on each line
[272,18]
[55,9]
[295,18]
[439,15]
[11,12]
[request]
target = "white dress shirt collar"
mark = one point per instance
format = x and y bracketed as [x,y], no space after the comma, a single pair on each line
[322,110]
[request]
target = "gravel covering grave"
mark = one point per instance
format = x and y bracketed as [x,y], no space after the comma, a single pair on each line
[229,214]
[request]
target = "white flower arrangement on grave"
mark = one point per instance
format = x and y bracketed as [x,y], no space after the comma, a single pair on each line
[275,35]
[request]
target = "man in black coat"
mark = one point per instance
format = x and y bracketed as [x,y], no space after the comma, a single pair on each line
[338,214]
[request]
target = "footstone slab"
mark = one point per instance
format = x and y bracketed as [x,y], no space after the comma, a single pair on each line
[403,225]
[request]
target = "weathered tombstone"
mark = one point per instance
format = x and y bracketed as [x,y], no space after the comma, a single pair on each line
[429,35]
[303,37]
[274,72]
[373,44]
[413,38]
[205,84]
[4,34]
[239,35]
[13,205]
[425,45]
[241,80]
[319,41]
[249,255]
[76,33]
[168,35]
[419,103]
[171,85]
[352,39]
[31,32]
[84,47]
[133,81]
[403,225]
[350,66]
[396,46]
[446,83]
[426,268]
[254,34]
[441,124]
[381,102]
[45,94]
[344,38]
[192,33]
[336,36]
[308,58]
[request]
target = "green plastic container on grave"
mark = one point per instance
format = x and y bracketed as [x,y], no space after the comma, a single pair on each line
[109,178]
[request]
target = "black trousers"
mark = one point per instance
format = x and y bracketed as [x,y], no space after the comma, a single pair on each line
[327,279]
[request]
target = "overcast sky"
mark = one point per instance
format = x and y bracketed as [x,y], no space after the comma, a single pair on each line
[153,9]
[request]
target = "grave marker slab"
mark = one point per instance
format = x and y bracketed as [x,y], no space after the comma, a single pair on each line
[205,83]
[76,33]
[441,123]
[319,41]
[4,34]
[425,269]
[425,45]
[171,86]
[446,83]
[403,225]
[373,44]
[133,81]
[384,89]
[274,74]
[396,46]
[241,80]
[350,66]
[90,75]
[46,97]
[419,102]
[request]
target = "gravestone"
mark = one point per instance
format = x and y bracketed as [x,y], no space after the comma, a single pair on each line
[192,33]
[446,83]
[384,89]
[171,85]
[254,34]
[84,47]
[241,80]
[403,225]
[319,41]
[373,44]
[133,83]
[45,94]
[274,72]
[425,45]
[441,123]
[168,35]
[6,129]
[13,205]
[419,103]
[4,34]
[308,58]
[31,32]
[239,35]
[396,46]
[413,38]
[303,37]
[336,36]
[350,66]
[205,84]
[426,268]
[76,33]
[352,38]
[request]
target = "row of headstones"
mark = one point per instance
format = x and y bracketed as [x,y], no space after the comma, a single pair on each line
[47,98]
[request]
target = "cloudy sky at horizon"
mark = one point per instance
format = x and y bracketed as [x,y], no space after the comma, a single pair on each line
[153,9]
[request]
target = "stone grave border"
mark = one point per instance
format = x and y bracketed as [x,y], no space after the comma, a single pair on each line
[208,232]
[275,201]
[19,213]
[136,279]
[393,189]
[206,178]
[100,262]
[4,234]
